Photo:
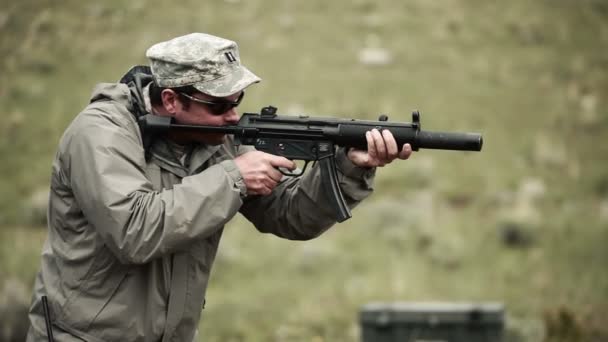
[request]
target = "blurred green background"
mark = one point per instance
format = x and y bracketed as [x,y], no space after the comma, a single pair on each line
[525,222]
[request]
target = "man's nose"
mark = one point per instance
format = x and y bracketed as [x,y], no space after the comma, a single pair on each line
[231,116]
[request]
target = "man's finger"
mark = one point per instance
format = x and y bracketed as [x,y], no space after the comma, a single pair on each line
[392,150]
[406,152]
[278,161]
[371,146]
[380,145]
[270,183]
[275,174]
[261,189]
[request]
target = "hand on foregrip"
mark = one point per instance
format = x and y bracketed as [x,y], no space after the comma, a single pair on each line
[382,149]
[259,171]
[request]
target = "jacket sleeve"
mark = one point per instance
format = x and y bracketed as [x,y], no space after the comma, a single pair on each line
[297,209]
[105,165]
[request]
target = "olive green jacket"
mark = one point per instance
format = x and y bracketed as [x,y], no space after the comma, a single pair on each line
[131,240]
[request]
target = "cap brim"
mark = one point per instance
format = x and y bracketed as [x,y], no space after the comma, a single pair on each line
[229,84]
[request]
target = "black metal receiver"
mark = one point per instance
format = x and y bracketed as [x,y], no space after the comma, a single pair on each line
[314,139]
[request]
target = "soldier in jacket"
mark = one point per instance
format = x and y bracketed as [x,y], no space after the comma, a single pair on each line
[133,229]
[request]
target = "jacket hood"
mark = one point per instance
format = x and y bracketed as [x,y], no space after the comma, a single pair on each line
[111,92]
[129,90]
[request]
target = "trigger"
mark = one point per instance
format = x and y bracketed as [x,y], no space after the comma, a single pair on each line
[289,173]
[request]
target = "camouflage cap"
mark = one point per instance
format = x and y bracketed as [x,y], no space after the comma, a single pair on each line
[211,64]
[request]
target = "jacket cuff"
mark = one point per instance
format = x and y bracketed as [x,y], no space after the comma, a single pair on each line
[233,171]
[348,169]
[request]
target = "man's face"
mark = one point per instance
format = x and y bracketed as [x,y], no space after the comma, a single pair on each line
[196,113]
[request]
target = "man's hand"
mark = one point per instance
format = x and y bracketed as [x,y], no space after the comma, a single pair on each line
[381,150]
[259,171]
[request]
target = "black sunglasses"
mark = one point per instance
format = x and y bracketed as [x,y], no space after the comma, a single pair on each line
[217,107]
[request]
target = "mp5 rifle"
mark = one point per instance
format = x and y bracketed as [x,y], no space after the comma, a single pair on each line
[315,138]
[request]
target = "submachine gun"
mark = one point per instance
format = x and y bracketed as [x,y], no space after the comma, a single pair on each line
[315,139]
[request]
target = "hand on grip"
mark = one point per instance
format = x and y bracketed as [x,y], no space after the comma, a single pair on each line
[260,171]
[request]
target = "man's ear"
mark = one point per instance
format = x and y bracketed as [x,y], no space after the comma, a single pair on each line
[170,101]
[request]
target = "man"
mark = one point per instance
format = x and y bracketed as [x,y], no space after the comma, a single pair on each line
[134,224]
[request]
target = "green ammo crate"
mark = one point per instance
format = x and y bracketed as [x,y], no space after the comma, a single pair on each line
[432,322]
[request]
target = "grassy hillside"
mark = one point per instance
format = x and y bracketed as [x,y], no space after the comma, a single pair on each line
[524,222]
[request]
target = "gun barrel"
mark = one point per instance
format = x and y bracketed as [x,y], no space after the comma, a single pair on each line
[353,135]
[449,141]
